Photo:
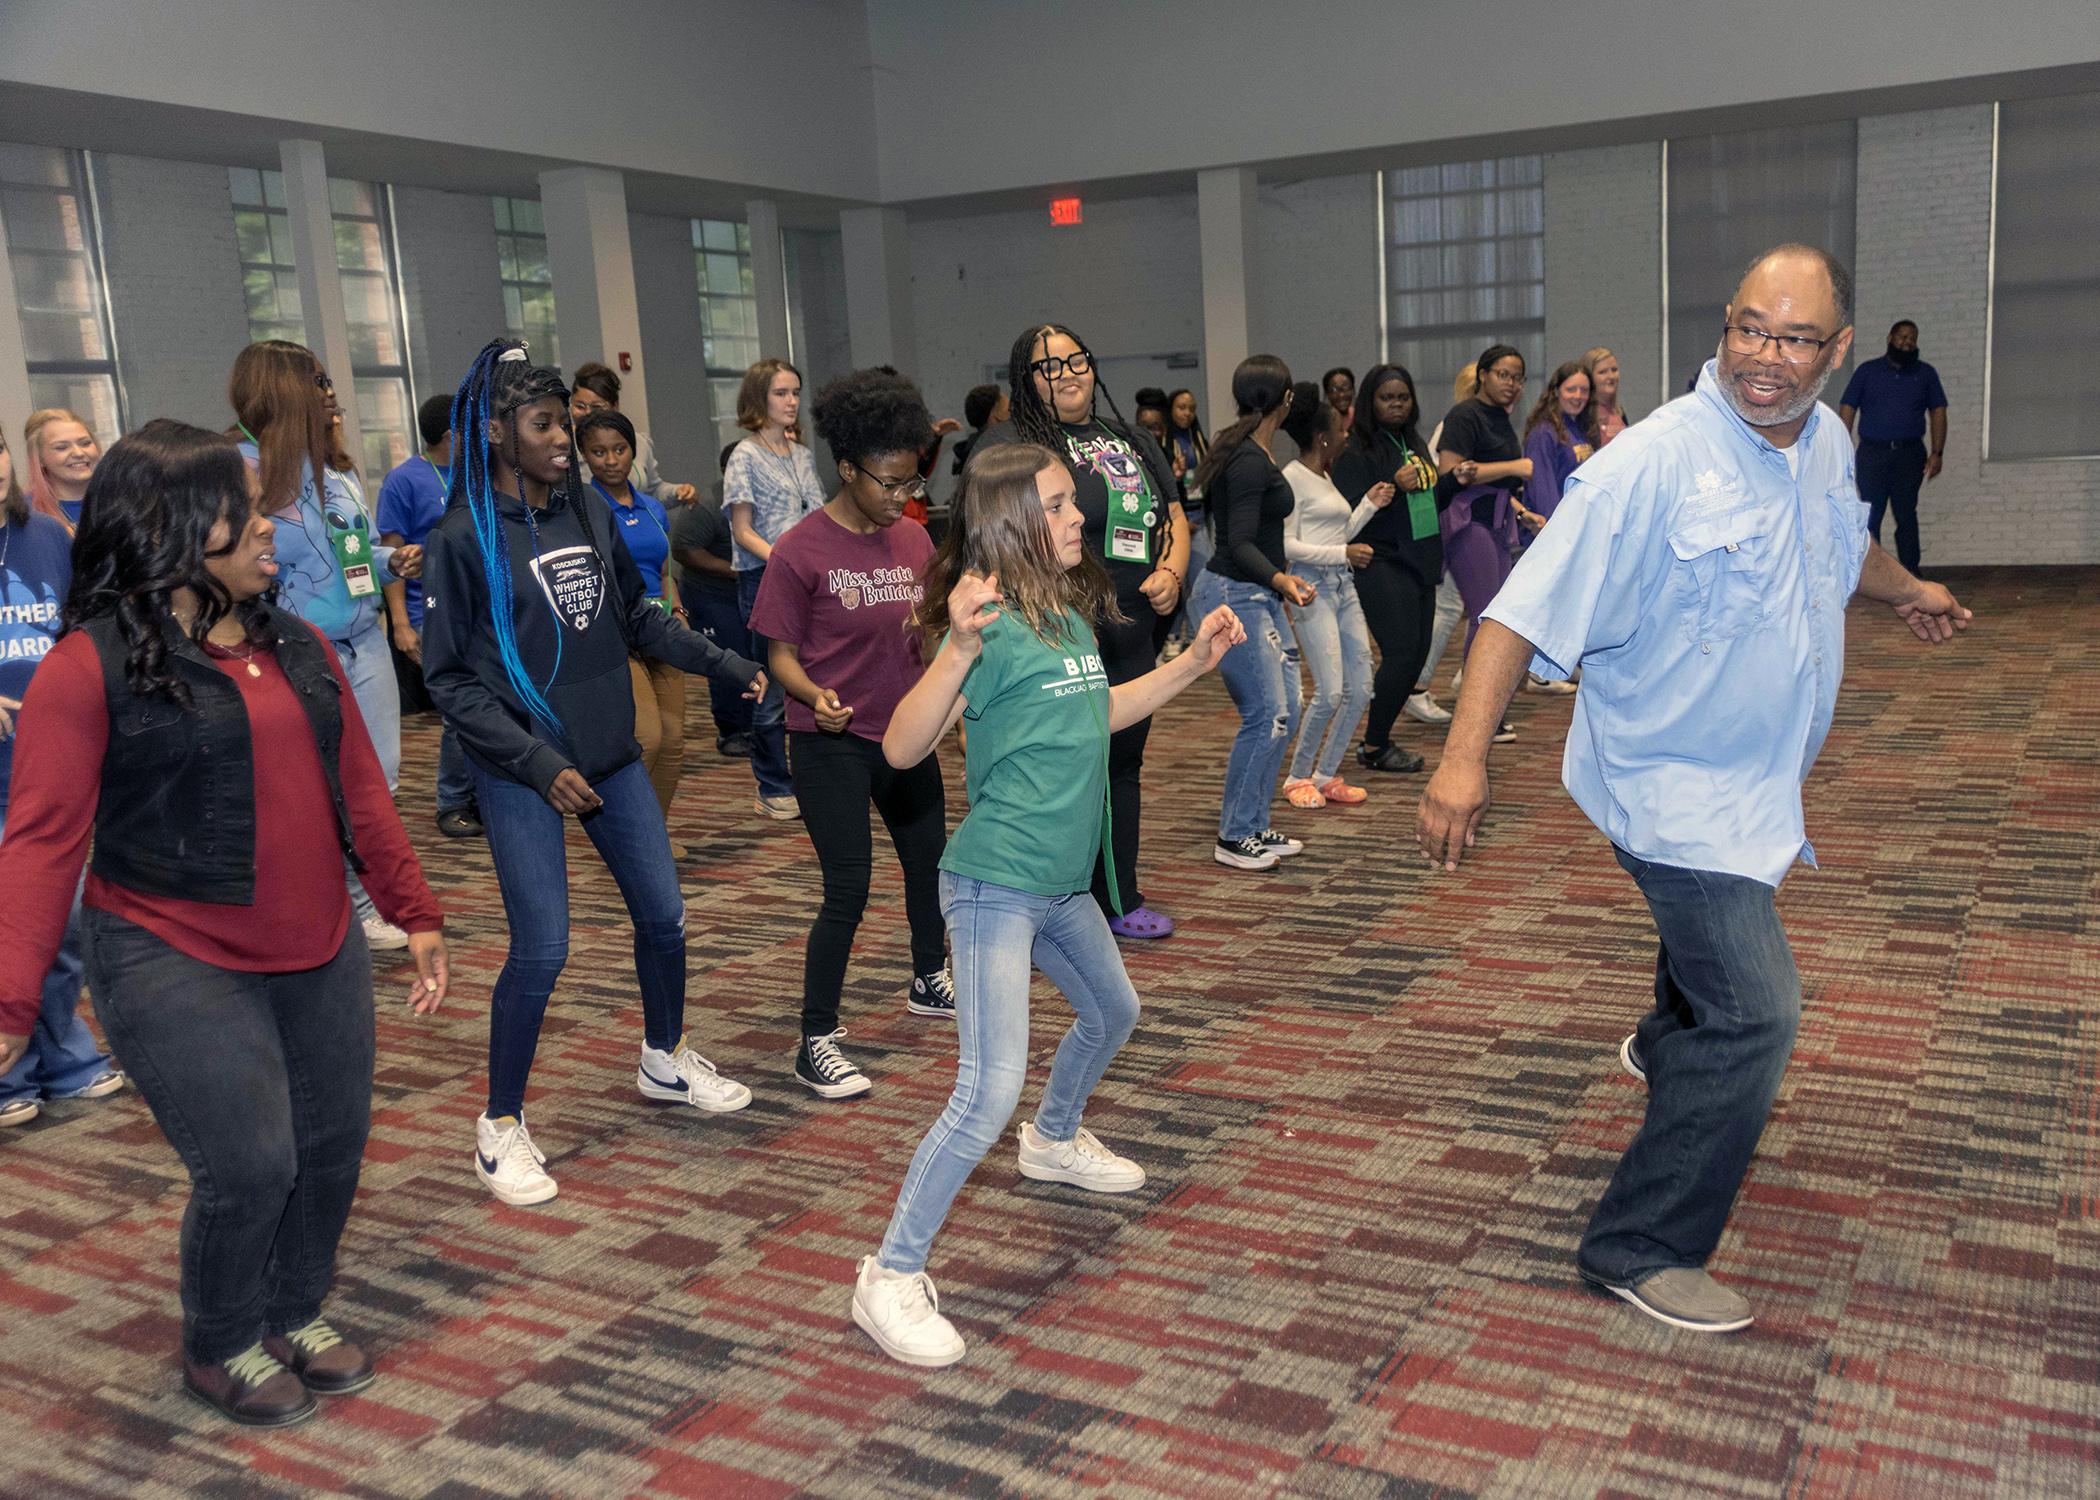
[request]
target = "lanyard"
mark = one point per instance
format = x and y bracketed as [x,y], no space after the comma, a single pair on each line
[444,475]
[1128,528]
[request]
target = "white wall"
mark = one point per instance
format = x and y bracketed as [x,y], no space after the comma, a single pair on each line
[1924,216]
[1313,292]
[985,95]
[701,88]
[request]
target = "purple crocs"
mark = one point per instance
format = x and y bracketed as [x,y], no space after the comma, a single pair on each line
[1143,922]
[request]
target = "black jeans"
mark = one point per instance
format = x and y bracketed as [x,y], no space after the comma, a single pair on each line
[836,777]
[1890,475]
[263,1085]
[1128,651]
[1400,607]
[716,616]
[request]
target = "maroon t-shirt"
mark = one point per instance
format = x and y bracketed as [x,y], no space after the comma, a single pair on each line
[844,602]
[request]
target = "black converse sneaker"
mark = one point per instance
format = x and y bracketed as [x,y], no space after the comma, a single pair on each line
[822,1069]
[1279,844]
[1249,853]
[932,995]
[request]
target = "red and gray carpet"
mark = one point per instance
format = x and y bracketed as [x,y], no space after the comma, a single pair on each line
[1375,1104]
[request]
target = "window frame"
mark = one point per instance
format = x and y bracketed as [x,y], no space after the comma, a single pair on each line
[508,235]
[81,188]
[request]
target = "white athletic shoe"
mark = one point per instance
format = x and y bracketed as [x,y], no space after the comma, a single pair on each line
[1551,687]
[382,936]
[508,1163]
[684,1075]
[1082,1161]
[902,1312]
[1424,709]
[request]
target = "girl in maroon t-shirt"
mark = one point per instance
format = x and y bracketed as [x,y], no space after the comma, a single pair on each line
[836,606]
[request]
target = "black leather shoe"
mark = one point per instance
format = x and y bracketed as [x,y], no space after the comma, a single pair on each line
[459,823]
[1387,758]
[252,1388]
[735,746]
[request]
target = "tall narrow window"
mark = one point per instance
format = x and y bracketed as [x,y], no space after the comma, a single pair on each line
[528,286]
[728,314]
[2045,286]
[1734,196]
[371,282]
[1465,267]
[59,287]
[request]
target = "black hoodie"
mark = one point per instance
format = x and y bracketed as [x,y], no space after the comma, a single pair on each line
[569,638]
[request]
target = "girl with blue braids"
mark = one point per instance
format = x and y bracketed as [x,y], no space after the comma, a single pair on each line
[532,606]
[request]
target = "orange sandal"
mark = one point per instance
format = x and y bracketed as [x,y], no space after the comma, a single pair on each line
[1340,791]
[1303,793]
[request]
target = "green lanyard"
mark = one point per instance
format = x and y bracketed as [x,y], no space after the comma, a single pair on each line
[1133,516]
[1421,504]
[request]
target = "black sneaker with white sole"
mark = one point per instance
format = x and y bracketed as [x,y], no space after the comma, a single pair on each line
[825,1071]
[932,995]
[1249,853]
[1281,845]
[1505,733]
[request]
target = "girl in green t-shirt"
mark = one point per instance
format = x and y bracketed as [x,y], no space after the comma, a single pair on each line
[1013,598]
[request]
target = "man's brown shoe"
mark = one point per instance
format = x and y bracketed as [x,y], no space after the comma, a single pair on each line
[252,1388]
[329,1364]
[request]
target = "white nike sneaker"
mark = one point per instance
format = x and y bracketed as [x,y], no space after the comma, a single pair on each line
[1082,1161]
[684,1075]
[509,1164]
[902,1312]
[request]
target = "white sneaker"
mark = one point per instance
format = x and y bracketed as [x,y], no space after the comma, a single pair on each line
[1533,683]
[1424,709]
[684,1075]
[1082,1161]
[508,1163]
[902,1312]
[780,809]
[382,936]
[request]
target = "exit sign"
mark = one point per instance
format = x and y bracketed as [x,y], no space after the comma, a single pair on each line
[1064,211]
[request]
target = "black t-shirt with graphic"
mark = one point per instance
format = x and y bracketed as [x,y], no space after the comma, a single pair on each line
[1123,478]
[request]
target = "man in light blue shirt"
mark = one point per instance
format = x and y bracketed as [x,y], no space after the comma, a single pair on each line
[1697,570]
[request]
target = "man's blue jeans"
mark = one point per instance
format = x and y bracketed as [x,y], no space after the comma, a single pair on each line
[998,934]
[525,836]
[1727,1004]
[1262,675]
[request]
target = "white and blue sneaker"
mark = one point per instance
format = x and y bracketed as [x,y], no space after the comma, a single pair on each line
[683,1075]
[509,1164]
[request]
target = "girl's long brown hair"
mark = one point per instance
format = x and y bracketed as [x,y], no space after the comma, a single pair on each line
[277,401]
[1548,408]
[996,527]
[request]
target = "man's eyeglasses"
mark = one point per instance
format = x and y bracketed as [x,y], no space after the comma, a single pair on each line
[1794,348]
[1058,364]
[912,486]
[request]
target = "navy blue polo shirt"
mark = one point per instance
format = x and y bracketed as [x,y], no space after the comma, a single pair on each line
[1892,403]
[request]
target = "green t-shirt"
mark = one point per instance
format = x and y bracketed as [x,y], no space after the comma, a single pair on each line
[1037,761]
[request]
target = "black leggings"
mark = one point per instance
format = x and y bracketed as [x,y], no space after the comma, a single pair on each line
[1128,651]
[1400,607]
[836,777]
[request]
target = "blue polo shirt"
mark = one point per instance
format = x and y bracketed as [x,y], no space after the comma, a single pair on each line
[1892,403]
[1698,576]
[411,501]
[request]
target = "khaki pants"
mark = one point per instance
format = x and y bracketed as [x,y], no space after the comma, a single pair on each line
[659,724]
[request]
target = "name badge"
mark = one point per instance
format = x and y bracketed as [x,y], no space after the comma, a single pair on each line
[1129,543]
[354,557]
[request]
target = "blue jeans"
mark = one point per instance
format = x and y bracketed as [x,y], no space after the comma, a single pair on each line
[62,1057]
[263,1085]
[455,779]
[369,665]
[1448,613]
[769,761]
[532,868]
[1200,548]
[1262,676]
[997,932]
[1337,646]
[720,618]
[1727,1004]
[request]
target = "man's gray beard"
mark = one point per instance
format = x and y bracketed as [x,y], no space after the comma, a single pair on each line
[1777,416]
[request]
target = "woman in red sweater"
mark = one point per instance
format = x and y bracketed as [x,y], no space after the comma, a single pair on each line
[227,974]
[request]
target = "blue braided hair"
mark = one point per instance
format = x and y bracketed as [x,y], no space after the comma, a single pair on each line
[500,380]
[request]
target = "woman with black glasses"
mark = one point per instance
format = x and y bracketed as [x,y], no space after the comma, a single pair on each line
[1136,528]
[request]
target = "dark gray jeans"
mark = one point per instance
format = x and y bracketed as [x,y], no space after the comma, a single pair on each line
[263,1085]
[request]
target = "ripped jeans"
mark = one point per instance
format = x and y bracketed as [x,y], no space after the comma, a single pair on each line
[1263,678]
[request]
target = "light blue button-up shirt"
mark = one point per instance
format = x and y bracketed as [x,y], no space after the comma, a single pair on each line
[1699,577]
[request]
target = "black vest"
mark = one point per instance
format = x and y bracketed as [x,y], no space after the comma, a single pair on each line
[177,813]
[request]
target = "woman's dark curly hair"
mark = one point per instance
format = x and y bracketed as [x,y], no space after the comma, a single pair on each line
[870,413]
[145,532]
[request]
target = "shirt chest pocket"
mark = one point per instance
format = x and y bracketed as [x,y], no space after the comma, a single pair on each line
[1724,573]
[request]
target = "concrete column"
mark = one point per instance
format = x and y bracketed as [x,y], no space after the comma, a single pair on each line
[15,401]
[1225,204]
[878,288]
[320,284]
[769,280]
[593,265]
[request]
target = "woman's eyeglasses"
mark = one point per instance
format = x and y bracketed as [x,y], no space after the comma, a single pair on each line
[1059,364]
[912,485]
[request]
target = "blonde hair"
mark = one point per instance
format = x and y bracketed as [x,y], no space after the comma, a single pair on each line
[1465,383]
[41,495]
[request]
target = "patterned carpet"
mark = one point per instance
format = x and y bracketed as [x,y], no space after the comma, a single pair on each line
[1375,1105]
